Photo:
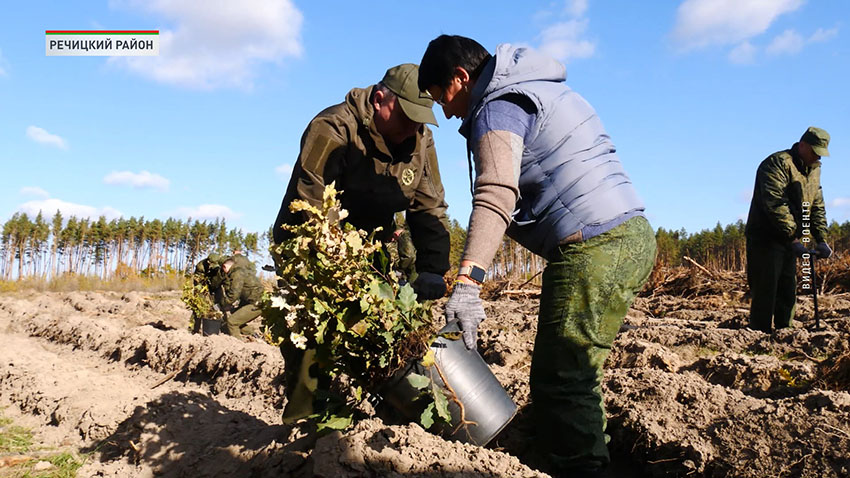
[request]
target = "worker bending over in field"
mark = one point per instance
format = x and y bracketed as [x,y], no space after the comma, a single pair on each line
[546,173]
[241,292]
[377,149]
[787,214]
[208,272]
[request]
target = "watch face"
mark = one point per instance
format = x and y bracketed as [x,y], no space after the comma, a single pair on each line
[473,272]
[477,274]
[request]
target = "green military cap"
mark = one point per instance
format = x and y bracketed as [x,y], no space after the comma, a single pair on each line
[215,259]
[818,139]
[402,80]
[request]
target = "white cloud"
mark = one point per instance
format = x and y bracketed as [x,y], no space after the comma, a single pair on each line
[39,135]
[216,43]
[575,8]
[743,54]
[788,42]
[284,171]
[207,211]
[34,191]
[48,208]
[143,179]
[839,203]
[701,23]
[564,40]
[822,35]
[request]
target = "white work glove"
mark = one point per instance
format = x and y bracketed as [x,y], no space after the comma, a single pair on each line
[465,307]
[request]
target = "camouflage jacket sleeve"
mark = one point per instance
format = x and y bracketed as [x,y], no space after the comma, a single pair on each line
[772,179]
[427,218]
[321,158]
[200,274]
[233,287]
[319,163]
[819,225]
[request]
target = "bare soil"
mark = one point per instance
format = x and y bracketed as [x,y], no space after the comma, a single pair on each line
[689,391]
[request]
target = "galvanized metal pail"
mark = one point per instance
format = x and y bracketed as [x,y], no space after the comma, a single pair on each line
[487,407]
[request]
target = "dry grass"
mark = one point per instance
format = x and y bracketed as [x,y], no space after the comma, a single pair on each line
[73,282]
[834,273]
[689,281]
[834,374]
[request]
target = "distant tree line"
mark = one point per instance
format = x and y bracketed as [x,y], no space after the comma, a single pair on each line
[511,261]
[457,239]
[36,247]
[722,248]
[725,248]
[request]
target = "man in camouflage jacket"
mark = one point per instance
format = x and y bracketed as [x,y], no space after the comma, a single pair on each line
[241,292]
[376,148]
[208,272]
[787,218]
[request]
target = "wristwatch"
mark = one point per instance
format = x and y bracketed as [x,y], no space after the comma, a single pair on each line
[473,272]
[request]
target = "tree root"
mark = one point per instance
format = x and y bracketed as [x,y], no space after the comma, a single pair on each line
[463,421]
[175,372]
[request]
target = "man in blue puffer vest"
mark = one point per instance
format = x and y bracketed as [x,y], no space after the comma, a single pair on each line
[548,175]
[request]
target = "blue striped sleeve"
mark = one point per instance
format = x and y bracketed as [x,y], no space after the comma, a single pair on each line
[513,113]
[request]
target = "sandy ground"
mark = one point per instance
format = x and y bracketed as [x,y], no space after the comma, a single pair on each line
[689,392]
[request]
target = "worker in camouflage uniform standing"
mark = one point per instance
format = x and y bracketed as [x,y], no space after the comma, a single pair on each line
[787,218]
[241,292]
[376,148]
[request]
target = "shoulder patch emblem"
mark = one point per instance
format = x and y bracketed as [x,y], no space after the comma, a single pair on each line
[408,176]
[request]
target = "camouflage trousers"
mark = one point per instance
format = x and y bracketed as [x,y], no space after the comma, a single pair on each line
[403,254]
[235,324]
[772,277]
[299,383]
[587,290]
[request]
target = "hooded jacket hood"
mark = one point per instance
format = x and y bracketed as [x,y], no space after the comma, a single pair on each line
[513,65]
[358,100]
[571,182]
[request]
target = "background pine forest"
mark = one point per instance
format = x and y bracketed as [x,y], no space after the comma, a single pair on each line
[41,248]
[120,247]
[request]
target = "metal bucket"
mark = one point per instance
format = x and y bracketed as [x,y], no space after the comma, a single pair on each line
[210,326]
[484,400]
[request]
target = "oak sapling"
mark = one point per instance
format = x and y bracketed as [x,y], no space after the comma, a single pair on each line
[337,295]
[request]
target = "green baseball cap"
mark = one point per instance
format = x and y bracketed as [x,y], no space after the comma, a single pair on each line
[215,259]
[818,139]
[402,80]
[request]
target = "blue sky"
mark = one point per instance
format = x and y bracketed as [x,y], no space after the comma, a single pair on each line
[694,94]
